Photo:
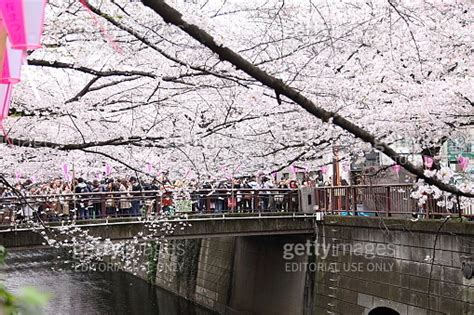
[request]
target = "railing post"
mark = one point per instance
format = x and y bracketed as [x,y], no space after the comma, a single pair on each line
[102,205]
[316,198]
[388,202]
[157,204]
[255,201]
[347,192]
[354,200]
[208,203]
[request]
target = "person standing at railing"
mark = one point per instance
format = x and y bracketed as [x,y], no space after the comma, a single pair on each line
[263,193]
[111,203]
[220,197]
[202,193]
[96,205]
[280,196]
[247,195]
[9,208]
[125,204]
[167,201]
[136,204]
[83,200]
[236,199]
[65,201]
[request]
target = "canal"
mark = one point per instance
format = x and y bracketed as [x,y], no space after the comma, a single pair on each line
[74,292]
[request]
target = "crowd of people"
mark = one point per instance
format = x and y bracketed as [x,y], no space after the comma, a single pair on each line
[132,196]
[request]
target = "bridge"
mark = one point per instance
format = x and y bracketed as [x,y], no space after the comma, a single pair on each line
[211,213]
[380,257]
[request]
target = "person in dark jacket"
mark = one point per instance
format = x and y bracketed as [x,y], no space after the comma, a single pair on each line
[82,189]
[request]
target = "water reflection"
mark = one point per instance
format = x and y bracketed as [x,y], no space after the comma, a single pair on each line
[89,292]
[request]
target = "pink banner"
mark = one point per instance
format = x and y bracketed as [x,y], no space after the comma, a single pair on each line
[396,168]
[463,162]
[102,29]
[324,169]
[12,61]
[108,170]
[24,21]
[149,168]
[428,161]
[65,169]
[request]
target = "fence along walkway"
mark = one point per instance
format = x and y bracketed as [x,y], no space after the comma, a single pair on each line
[141,203]
[379,200]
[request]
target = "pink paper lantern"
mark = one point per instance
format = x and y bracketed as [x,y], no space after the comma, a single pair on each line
[5,96]
[292,169]
[23,20]
[428,161]
[149,168]
[324,169]
[17,176]
[108,170]
[65,170]
[396,168]
[12,60]
[463,162]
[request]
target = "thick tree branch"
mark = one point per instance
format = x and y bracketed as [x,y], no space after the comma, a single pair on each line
[137,141]
[98,73]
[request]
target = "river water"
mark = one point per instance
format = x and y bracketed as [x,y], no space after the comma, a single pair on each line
[88,292]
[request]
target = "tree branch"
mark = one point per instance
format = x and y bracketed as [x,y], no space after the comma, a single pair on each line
[109,73]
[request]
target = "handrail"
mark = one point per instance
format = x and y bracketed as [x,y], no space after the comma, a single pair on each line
[366,200]
[198,191]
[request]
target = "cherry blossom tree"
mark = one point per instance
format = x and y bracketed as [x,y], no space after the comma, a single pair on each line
[241,85]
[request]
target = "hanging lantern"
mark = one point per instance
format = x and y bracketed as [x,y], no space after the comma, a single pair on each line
[463,162]
[23,20]
[292,169]
[428,161]
[12,61]
[324,169]
[5,95]
[65,171]
[396,168]
[108,170]
[148,167]
[3,41]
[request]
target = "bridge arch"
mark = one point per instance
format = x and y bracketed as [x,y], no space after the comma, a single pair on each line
[382,310]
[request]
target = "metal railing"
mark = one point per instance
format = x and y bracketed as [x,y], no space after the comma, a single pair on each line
[362,200]
[53,207]
[378,200]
